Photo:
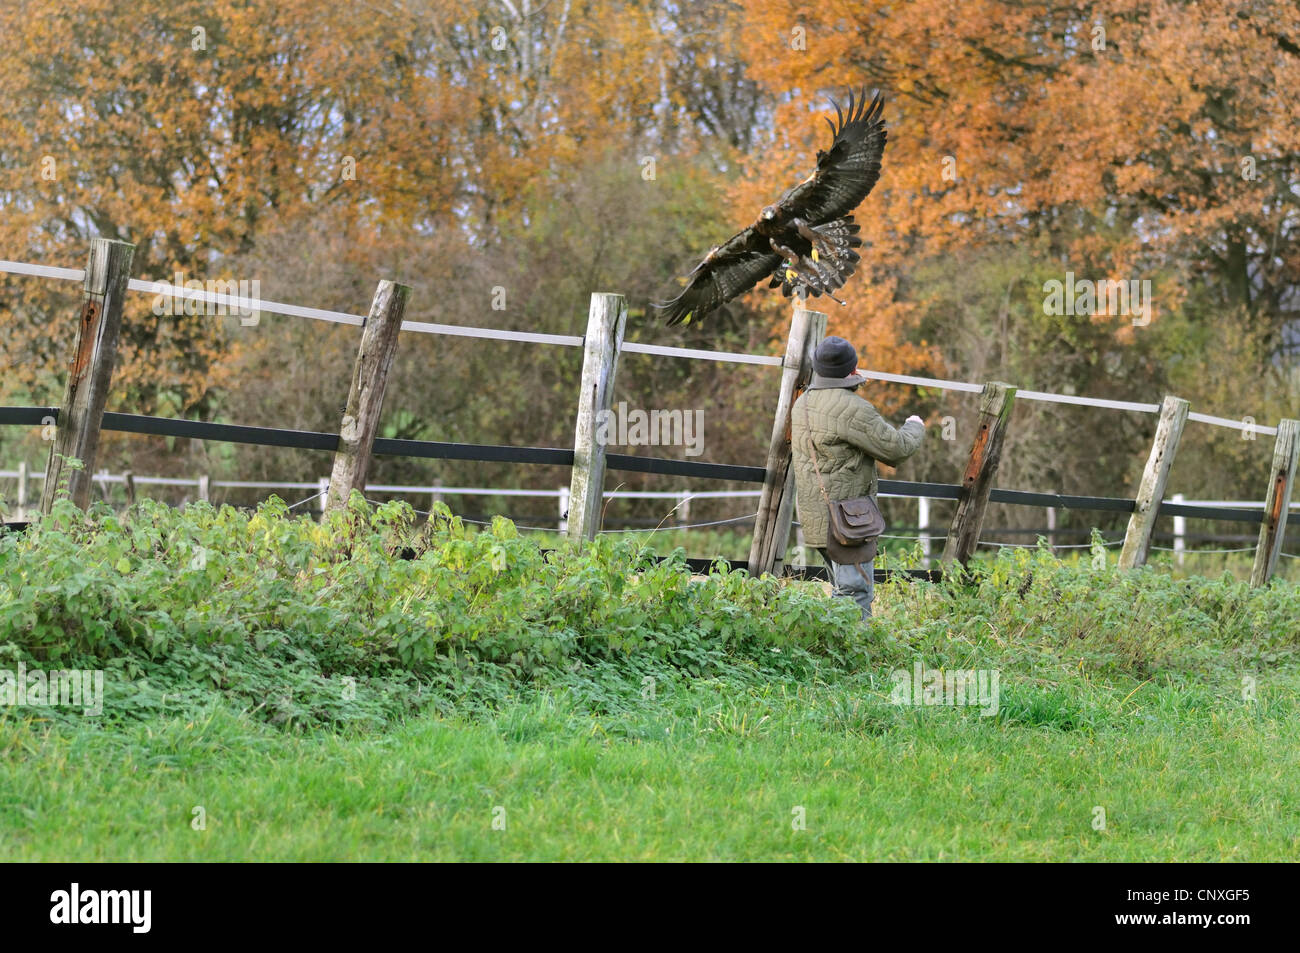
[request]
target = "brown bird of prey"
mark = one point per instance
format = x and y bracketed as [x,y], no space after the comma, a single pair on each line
[806,239]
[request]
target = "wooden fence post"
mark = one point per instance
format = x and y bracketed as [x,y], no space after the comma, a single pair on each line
[683,508]
[366,398]
[606,321]
[22,489]
[108,269]
[1286,451]
[205,488]
[128,483]
[776,504]
[923,528]
[1137,538]
[1180,533]
[996,401]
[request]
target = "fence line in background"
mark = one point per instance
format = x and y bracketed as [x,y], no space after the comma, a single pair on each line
[104,476]
[80,418]
[568,340]
[419,489]
[322,441]
[924,532]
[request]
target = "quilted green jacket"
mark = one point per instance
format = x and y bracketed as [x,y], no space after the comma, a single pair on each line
[850,436]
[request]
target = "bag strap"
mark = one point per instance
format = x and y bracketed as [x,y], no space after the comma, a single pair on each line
[812,446]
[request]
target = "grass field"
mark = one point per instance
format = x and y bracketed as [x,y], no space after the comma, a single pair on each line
[717,773]
[1139,717]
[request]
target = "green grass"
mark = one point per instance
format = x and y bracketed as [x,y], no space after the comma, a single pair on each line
[673,721]
[712,772]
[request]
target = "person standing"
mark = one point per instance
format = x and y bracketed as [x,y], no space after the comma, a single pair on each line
[836,438]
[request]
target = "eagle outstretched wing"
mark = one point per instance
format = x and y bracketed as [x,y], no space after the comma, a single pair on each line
[729,270]
[848,170]
[809,228]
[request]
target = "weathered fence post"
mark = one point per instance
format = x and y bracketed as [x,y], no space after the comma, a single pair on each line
[1281,480]
[22,489]
[606,321]
[683,508]
[776,505]
[923,528]
[108,269]
[1180,533]
[205,488]
[1137,538]
[366,398]
[996,401]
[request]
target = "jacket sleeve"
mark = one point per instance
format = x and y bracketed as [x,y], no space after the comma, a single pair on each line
[869,431]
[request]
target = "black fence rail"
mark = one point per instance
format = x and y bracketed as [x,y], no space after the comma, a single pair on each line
[489,453]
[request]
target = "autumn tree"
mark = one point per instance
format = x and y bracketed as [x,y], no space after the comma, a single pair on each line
[1138,134]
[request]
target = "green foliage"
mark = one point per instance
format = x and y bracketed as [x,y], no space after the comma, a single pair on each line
[370,614]
[254,605]
[1030,611]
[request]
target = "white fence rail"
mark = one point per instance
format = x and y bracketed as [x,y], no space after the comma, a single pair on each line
[165,289]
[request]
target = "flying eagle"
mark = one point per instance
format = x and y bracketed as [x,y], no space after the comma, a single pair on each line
[805,241]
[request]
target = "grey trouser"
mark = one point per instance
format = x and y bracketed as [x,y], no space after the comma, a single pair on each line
[852,581]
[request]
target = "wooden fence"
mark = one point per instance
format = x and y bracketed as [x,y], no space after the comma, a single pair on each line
[923,531]
[79,420]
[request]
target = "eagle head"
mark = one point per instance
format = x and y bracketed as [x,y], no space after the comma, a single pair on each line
[769,213]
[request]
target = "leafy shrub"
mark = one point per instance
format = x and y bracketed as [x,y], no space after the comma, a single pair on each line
[1027,608]
[281,614]
[239,601]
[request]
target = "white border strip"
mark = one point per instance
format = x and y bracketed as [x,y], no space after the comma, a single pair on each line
[1088,401]
[921,381]
[261,485]
[43,271]
[464,331]
[237,304]
[699,355]
[1234,424]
